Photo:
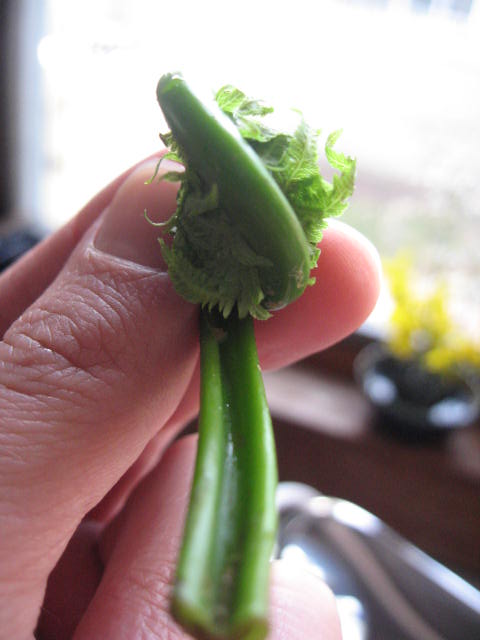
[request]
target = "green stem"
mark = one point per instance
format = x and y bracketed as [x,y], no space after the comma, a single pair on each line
[223,569]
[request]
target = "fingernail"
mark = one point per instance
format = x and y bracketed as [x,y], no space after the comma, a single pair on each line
[124,232]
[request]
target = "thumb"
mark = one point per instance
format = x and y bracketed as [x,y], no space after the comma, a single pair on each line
[88,374]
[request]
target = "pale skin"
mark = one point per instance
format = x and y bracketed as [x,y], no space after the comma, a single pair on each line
[98,374]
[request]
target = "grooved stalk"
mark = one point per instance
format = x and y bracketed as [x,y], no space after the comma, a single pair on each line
[223,570]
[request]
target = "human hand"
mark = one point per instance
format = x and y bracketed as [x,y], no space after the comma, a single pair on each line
[98,374]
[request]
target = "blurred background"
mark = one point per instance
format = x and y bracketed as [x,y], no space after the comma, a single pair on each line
[400,77]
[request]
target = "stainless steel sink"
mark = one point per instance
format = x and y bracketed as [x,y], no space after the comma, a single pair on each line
[386,588]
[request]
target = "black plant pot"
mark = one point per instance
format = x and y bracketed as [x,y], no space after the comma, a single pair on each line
[412,401]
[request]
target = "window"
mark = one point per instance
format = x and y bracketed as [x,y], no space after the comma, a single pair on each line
[401,77]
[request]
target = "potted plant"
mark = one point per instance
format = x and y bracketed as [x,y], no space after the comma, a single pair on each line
[423,377]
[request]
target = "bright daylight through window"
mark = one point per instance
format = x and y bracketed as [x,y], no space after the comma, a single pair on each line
[401,77]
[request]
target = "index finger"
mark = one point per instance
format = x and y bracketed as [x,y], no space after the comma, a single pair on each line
[347,284]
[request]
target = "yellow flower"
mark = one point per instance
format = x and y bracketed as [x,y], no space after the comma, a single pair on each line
[420,324]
